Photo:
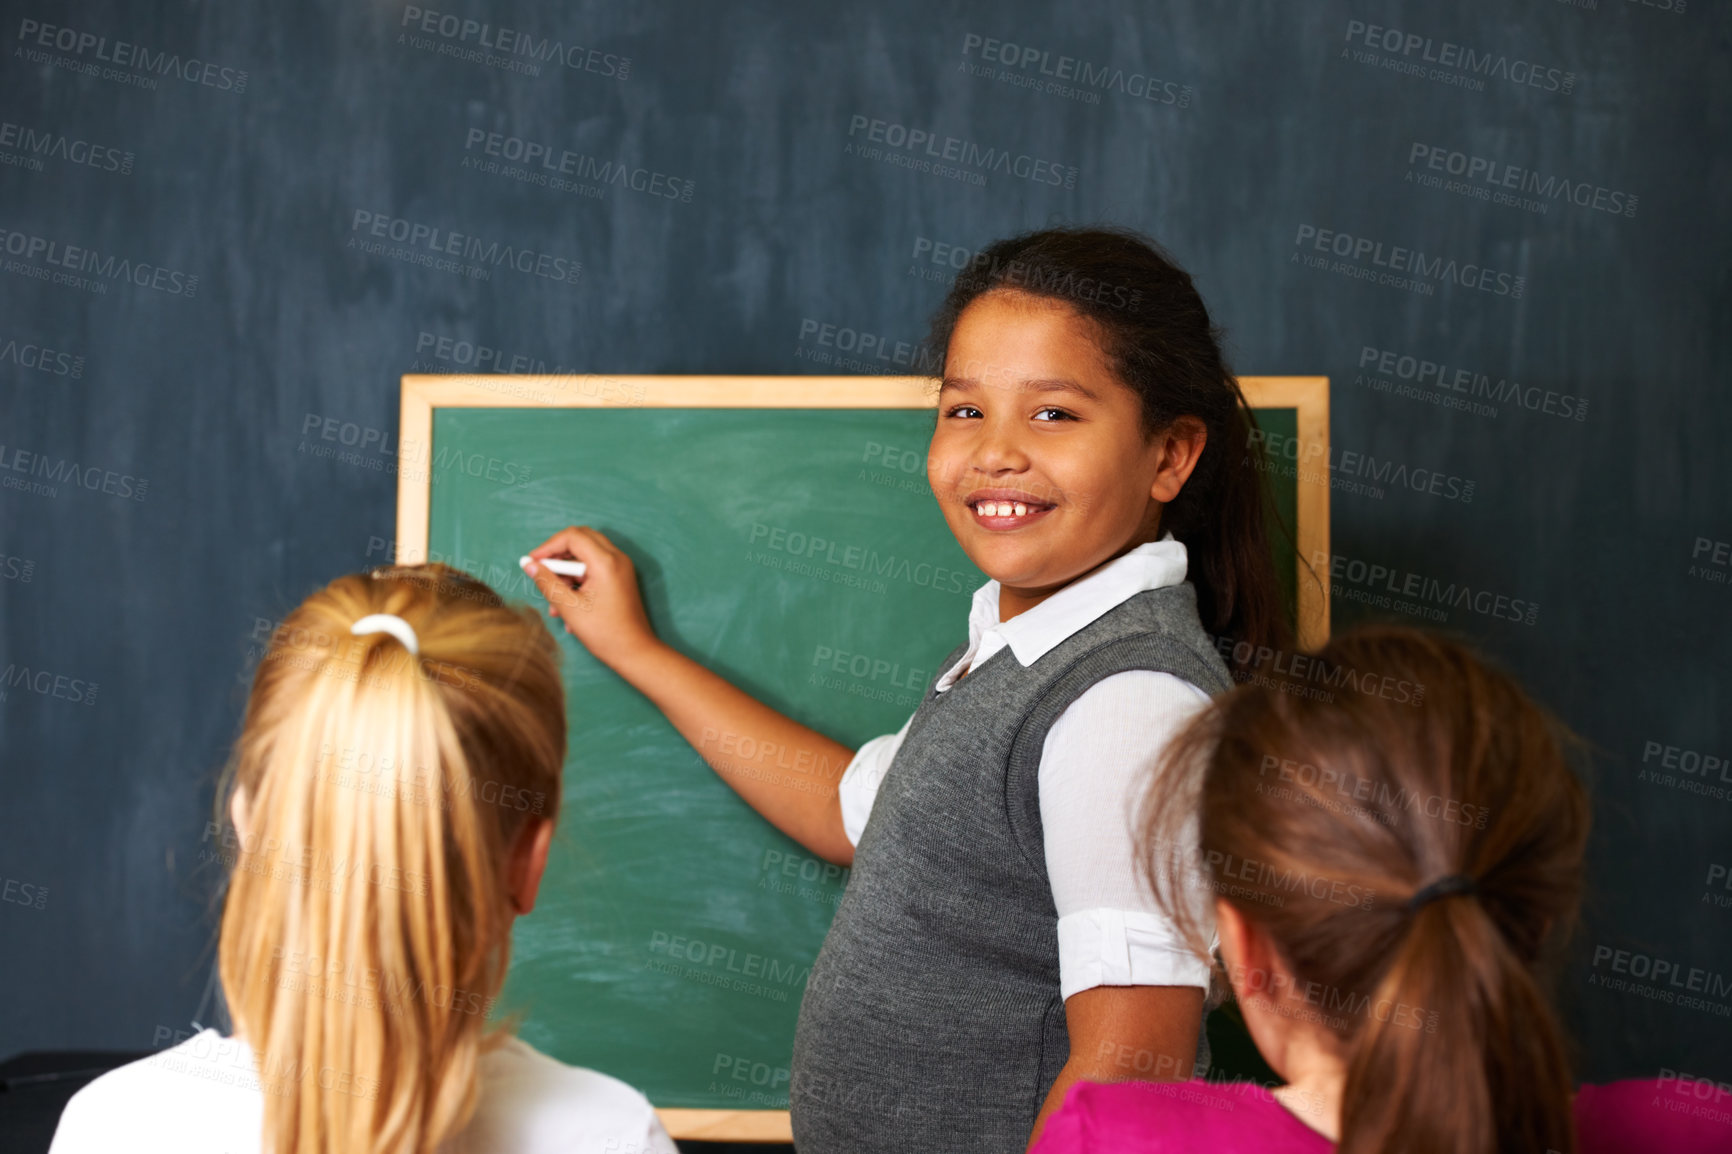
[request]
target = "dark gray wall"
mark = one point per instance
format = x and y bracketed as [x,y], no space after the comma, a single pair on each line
[1269,120]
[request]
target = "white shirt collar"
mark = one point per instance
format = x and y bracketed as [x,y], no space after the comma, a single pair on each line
[1030,635]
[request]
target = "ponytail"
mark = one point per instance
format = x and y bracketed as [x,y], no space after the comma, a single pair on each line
[1152,324]
[1437,836]
[365,932]
[1468,1060]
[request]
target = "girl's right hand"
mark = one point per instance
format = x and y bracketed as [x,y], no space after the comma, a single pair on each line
[603,609]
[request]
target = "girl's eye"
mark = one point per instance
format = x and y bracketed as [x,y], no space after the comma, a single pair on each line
[1057,414]
[963,411]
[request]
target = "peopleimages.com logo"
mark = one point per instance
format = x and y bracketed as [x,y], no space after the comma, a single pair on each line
[1025,66]
[1371,259]
[547,164]
[1374,584]
[1408,375]
[1444,61]
[1499,182]
[437,247]
[1661,979]
[56,471]
[928,148]
[50,256]
[40,358]
[483,43]
[34,144]
[122,54]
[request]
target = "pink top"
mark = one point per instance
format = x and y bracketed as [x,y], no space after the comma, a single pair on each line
[1176,1118]
[1677,1115]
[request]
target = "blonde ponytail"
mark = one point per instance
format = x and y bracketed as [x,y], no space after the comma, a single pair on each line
[365,933]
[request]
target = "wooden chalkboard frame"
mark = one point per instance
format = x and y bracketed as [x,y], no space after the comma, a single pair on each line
[423,394]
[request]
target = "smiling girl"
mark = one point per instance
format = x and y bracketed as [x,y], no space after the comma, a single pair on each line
[993,945]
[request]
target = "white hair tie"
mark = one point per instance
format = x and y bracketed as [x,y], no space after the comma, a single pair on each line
[388,623]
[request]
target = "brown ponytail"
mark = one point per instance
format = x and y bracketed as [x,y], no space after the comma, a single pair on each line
[1418,763]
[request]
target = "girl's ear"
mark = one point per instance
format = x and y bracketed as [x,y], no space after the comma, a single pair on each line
[1252,964]
[528,861]
[1237,944]
[1180,446]
[240,814]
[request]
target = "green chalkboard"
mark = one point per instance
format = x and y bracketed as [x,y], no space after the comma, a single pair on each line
[800,554]
[675,928]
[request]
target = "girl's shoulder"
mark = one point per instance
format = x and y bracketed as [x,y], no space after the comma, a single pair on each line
[1675,1112]
[1176,1118]
[530,1102]
[202,1094]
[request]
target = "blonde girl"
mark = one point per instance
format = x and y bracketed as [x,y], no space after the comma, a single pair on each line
[393,795]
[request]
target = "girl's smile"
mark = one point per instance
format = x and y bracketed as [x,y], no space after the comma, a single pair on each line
[1006,510]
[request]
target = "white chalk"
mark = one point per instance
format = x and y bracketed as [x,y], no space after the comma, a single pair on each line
[554,565]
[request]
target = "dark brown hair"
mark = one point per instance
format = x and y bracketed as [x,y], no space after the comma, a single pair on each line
[1421,762]
[1152,324]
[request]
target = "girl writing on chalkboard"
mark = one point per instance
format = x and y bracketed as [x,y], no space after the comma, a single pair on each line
[393,796]
[993,946]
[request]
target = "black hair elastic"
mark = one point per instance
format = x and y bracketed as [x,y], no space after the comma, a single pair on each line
[1449,886]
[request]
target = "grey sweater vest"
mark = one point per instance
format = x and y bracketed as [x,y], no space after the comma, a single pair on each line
[932,1019]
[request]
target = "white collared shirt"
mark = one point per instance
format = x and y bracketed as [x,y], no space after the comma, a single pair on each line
[204,1096]
[1093,767]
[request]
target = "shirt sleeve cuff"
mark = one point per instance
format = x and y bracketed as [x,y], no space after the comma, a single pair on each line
[1107,947]
[859,786]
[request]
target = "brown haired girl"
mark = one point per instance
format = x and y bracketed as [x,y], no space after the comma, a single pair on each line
[1385,862]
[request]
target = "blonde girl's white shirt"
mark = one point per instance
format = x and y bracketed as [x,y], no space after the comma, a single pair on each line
[203,1097]
[1097,758]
